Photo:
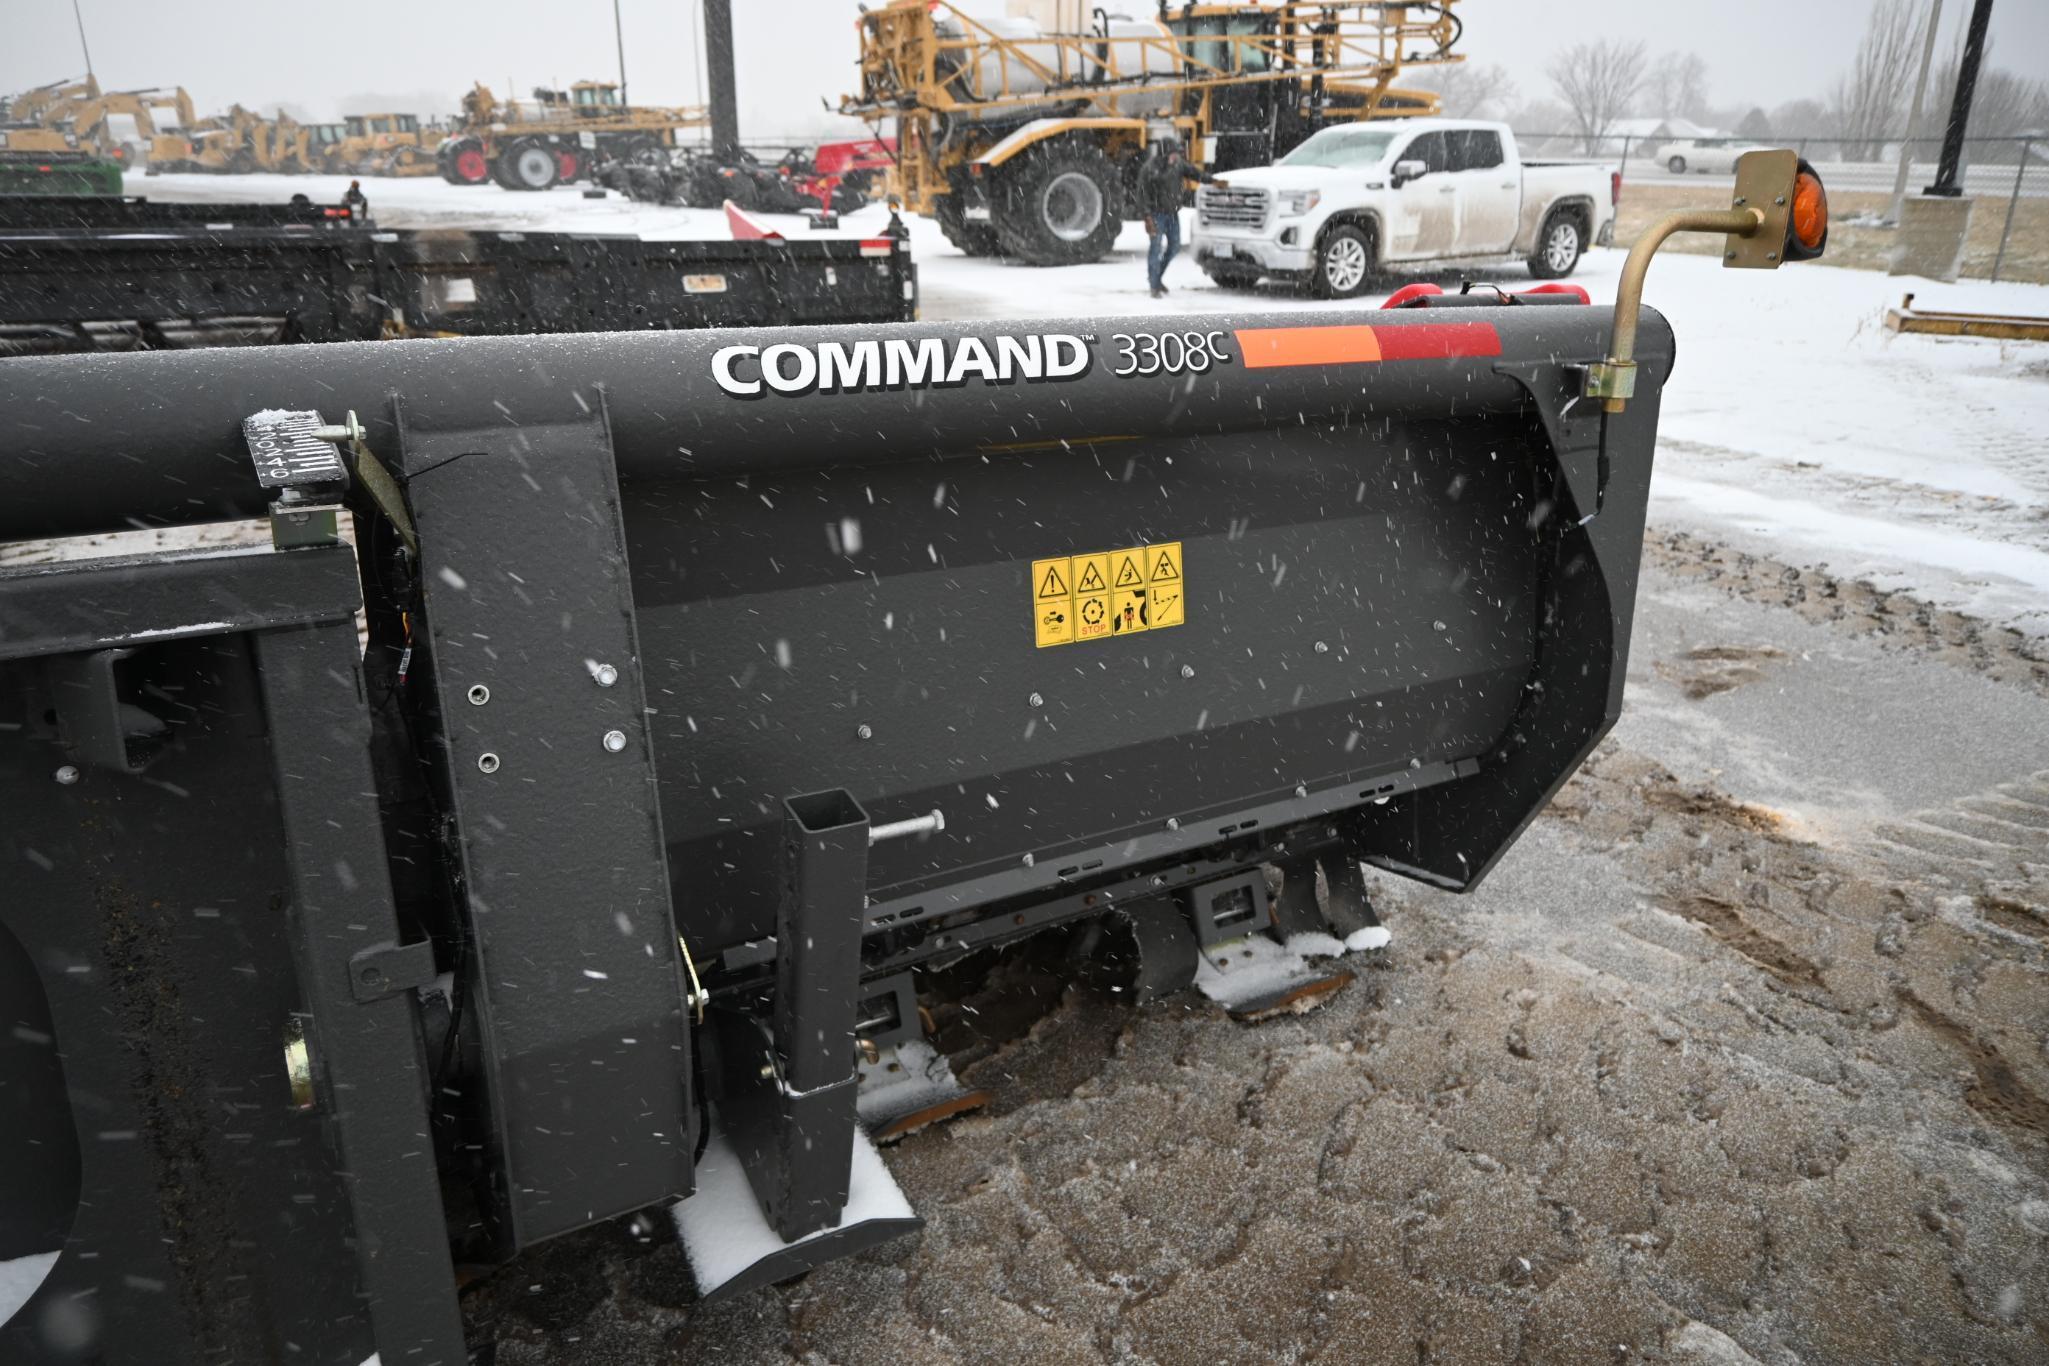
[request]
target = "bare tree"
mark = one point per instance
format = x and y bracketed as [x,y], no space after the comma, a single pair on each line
[1677,84]
[1597,81]
[1472,92]
[1868,100]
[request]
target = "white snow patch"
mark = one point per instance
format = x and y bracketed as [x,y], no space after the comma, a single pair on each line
[20,1277]
[1372,937]
[722,1226]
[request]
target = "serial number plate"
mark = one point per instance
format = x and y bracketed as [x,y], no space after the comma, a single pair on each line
[704,284]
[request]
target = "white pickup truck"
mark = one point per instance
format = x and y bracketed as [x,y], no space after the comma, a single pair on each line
[1358,198]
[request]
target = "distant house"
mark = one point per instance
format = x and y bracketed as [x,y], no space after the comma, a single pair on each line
[1646,135]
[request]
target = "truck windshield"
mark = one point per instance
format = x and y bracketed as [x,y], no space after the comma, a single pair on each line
[1341,147]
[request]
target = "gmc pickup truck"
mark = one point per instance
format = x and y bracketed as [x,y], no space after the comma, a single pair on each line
[1355,199]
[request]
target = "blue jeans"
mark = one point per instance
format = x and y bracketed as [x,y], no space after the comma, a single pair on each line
[1163,245]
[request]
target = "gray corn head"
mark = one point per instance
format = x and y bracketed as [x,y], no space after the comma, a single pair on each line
[736,678]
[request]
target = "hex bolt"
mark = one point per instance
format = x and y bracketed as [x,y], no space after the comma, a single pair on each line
[1301,789]
[487,762]
[615,740]
[1029,860]
[1322,648]
[604,675]
[67,775]
[864,731]
[479,694]
[1771,256]
[1779,200]
[1036,700]
[1173,822]
[1741,201]
[1188,671]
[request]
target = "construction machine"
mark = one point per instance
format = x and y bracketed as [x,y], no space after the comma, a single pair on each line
[239,142]
[559,136]
[571,833]
[381,144]
[1026,143]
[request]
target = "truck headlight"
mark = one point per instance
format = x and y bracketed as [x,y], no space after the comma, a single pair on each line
[1295,203]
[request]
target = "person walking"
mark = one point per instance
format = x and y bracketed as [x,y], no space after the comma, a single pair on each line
[1162,180]
[357,202]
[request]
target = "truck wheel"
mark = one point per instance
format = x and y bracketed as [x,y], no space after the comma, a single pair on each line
[1677,165]
[973,239]
[568,165]
[1344,263]
[526,165]
[1060,208]
[1558,246]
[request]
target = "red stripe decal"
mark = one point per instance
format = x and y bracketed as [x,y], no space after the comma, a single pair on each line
[1274,347]
[1438,341]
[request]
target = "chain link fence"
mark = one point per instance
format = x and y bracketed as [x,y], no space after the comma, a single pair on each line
[2006,178]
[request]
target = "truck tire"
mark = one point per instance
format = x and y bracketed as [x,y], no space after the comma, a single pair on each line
[1345,262]
[1059,208]
[1677,165]
[526,165]
[972,238]
[1559,245]
[569,167]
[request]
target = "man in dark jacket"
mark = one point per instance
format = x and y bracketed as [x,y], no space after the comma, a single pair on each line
[1162,180]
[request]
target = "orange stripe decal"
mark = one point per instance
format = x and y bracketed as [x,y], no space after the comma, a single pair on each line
[1266,347]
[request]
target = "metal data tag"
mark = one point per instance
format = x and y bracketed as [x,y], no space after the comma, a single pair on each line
[287,454]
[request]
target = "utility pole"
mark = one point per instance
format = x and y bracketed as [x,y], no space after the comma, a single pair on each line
[619,36]
[80,19]
[718,59]
[1899,184]
[1945,184]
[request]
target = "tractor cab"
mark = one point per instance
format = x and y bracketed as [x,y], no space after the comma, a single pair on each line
[595,95]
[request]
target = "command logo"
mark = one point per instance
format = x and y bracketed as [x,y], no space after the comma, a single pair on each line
[898,363]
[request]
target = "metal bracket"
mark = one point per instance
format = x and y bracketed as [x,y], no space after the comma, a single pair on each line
[387,969]
[1229,908]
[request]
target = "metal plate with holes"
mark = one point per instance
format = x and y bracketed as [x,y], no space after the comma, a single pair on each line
[1764,181]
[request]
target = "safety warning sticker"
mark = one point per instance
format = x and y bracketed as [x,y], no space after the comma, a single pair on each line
[1116,593]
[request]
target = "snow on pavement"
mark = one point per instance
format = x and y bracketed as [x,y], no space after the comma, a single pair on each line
[1795,425]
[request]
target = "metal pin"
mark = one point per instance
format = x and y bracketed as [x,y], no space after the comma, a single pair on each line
[931,823]
[615,740]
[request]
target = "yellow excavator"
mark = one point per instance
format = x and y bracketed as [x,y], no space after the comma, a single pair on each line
[1026,143]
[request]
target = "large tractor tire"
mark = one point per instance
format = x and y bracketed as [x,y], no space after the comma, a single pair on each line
[976,238]
[526,165]
[464,163]
[569,165]
[1059,207]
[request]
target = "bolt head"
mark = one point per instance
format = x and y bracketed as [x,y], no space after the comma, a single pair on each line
[1173,822]
[605,675]
[1036,700]
[864,731]
[479,695]
[67,775]
[1188,671]
[615,740]
[1322,648]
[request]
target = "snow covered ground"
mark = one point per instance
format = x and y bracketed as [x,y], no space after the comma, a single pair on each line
[1796,425]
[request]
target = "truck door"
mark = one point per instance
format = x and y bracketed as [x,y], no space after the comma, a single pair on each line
[1489,191]
[1423,222]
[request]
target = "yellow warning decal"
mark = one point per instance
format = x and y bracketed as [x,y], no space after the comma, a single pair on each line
[1113,593]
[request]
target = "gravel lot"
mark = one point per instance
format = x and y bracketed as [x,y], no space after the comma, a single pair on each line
[1738,1056]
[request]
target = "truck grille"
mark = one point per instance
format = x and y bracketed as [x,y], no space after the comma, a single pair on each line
[1223,207]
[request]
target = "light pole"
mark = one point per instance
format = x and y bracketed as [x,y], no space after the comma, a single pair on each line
[1960,107]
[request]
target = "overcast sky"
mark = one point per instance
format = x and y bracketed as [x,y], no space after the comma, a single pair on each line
[419,55]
